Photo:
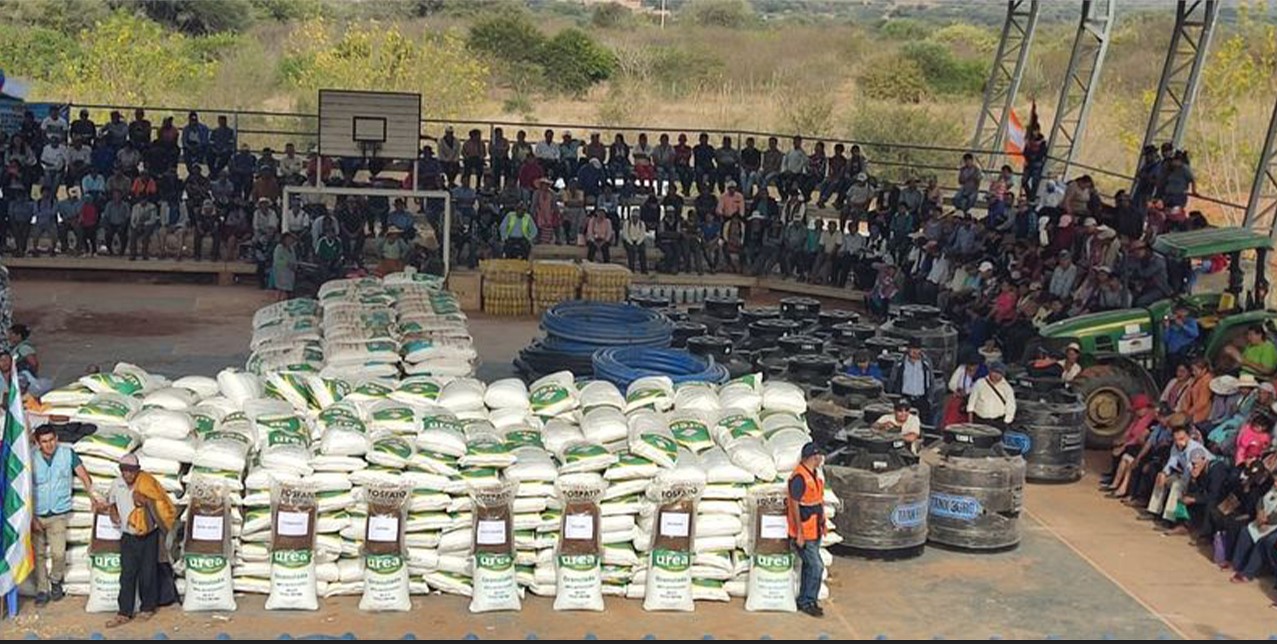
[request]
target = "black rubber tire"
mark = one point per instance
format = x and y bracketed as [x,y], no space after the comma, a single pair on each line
[1106,391]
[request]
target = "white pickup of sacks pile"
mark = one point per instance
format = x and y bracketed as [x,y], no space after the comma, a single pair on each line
[442,434]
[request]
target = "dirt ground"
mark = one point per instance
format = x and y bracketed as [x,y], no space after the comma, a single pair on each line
[1085,567]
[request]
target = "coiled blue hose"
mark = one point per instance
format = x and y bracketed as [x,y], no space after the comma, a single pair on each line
[575,330]
[584,327]
[623,365]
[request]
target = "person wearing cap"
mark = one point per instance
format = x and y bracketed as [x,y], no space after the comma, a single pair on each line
[904,419]
[54,467]
[992,400]
[864,365]
[912,378]
[1259,355]
[731,203]
[1110,293]
[449,153]
[1173,478]
[1210,480]
[805,511]
[1071,363]
[859,195]
[1125,453]
[144,511]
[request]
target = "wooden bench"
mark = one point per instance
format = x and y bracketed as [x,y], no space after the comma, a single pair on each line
[225,273]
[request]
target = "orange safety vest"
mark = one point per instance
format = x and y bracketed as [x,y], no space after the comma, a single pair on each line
[813,526]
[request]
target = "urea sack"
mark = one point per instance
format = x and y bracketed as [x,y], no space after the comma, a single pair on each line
[771,583]
[385,584]
[209,584]
[104,583]
[292,581]
[495,587]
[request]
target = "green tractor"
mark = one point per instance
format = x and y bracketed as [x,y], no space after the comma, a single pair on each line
[1123,351]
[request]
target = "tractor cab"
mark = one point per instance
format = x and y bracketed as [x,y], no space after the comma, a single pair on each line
[1123,351]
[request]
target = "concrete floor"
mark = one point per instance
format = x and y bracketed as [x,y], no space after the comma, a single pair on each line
[1085,568]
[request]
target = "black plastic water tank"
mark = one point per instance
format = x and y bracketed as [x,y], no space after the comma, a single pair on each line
[800,308]
[811,369]
[977,490]
[724,308]
[650,301]
[684,330]
[923,323]
[883,488]
[797,344]
[756,313]
[1050,433]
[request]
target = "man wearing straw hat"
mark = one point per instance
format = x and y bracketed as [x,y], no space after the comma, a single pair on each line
[143,510]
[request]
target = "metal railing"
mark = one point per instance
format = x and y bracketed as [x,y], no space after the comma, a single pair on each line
[262,129]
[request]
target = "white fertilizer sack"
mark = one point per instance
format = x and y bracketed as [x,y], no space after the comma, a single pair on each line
[508,393]
[203,386]
[462,394]
[385,584]
[104,583]
[771,583]
[292,581]
[649,438]
[654,392]
[690,429]
[579,582]
[494,583]
[784,396]
[158,422]
[209,584]
[696,396]
[172,398]
[604,425]
[553,394]
[669,581]
[601,393]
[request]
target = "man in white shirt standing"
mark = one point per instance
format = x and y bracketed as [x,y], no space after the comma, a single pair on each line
[792,169]
[992,400]
[548,153]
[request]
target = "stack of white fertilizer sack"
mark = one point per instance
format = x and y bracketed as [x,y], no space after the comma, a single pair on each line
[443,436]
[366,328]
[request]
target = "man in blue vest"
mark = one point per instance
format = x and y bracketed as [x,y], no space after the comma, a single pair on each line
[54,467]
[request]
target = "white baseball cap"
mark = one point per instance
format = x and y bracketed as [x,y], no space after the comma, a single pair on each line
[986,266]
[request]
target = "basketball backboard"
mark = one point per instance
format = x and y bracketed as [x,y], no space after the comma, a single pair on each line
[351,123]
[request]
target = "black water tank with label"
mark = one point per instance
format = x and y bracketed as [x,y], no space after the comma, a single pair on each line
[1049,432]
[722,351]
[812,370]
[922,323]
[800,308]
[883,488]
[766,333]
[755,313]
[977,490]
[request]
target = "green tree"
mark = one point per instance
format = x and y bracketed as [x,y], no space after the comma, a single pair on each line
[887,123]
[945,73]
[127,59]
[66,16]
[377,56]
[288,10]
[898,79]
[610,16]
[573,61]
[509,36]
[196,16]
[34,52]
[732,14]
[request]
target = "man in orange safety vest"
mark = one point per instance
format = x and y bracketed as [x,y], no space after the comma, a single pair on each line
[806,510]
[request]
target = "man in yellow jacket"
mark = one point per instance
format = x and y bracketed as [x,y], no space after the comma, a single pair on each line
[144,511]
[806,511]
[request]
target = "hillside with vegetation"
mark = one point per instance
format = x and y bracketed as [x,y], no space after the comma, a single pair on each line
[906,72]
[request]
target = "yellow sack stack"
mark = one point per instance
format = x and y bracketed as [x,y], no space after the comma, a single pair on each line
[606,282]
[553,281]
[505,286]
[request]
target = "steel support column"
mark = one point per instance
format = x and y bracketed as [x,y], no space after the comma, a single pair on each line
[1261,209]
[1182,72]
[1004,78]
[1083,75]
